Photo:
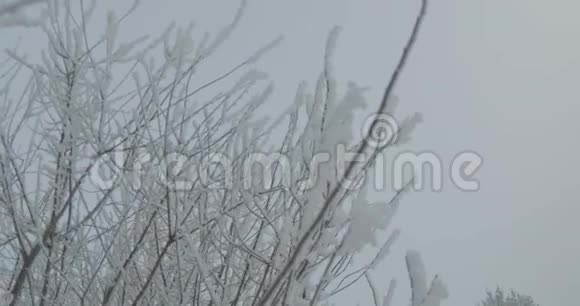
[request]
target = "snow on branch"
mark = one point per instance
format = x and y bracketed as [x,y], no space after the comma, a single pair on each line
[128,175]
[421,295]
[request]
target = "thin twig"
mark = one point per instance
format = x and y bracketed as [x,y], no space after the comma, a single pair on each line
[335,192]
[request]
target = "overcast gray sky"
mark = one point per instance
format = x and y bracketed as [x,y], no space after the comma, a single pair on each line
[495,76]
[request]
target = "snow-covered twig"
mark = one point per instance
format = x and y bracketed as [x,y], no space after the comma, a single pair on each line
[337,189]
[421,295]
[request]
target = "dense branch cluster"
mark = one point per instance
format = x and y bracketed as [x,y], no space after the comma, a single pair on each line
[500,297]
[126,179]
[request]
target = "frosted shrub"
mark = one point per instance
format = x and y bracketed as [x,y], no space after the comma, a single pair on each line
[124,178]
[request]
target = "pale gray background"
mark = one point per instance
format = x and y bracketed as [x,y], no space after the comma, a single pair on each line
[496,76]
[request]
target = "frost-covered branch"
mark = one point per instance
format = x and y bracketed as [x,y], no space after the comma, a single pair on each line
[421,295]
[128,176]
[338,188]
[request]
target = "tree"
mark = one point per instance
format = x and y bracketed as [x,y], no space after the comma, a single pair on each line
[500,298]
[125,177]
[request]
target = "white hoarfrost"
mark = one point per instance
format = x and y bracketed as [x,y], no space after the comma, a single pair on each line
[421,295]
[126,177]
